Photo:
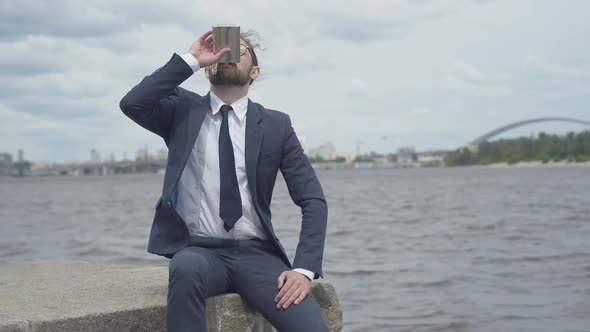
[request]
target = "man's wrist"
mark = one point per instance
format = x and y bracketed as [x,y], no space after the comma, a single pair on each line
[192,61]
[306,273]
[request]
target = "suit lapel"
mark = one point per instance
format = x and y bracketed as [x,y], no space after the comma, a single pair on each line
[196,114]
[253,143]
[253,140]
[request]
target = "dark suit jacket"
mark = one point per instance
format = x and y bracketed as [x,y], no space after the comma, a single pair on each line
[176,115]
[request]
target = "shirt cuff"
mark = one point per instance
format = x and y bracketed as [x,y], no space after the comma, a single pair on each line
[305,272]
[191,61]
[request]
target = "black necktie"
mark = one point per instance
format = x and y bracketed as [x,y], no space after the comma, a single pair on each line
[230,203]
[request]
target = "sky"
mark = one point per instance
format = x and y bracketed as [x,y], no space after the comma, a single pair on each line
[369,75]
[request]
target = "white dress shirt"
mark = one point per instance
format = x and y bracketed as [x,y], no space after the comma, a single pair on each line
[199,183]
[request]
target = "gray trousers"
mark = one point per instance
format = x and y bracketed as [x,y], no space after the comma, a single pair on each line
[209,267]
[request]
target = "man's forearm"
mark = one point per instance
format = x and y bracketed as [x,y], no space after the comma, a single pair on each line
[310,249]
[191,61]
[157,85]
[305,191]
[151,103]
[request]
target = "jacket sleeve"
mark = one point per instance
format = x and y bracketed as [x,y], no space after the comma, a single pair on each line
[152,102]
[306,192]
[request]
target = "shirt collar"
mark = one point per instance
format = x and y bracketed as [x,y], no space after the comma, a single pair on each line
[240,106]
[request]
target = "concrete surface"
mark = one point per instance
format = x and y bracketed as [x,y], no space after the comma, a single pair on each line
[62,295]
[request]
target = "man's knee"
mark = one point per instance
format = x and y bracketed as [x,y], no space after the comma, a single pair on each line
[304,316]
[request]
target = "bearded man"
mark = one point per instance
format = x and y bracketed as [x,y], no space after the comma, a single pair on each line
[213,218]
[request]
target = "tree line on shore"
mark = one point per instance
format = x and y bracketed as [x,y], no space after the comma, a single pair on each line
[573,147]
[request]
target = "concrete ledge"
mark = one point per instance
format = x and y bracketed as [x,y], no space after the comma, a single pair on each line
[86,296]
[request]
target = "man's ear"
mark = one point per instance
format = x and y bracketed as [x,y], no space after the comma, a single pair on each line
[207,72]
[254,72]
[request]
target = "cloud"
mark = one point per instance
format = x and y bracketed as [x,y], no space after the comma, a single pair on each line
[26,121]
[356,29]
[467,79]
[548,80]
[358,89]
[57,18]
[421,111]
[541,67]
[374,20]
[407,68]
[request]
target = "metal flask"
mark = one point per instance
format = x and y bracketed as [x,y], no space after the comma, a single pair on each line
[227,34]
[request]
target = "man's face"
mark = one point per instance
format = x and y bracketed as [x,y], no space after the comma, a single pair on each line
[234,74]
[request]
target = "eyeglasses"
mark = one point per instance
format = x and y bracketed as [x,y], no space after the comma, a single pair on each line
[244,48]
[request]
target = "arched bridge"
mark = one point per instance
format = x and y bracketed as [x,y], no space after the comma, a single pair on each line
[500,130]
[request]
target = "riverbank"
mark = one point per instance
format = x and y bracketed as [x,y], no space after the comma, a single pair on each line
[540,163]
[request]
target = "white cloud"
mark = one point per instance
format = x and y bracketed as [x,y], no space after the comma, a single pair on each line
[421,110]
[410,69]
[465,78]
[538,65]
[359,89]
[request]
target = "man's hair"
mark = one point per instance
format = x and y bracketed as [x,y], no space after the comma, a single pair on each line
[252,39]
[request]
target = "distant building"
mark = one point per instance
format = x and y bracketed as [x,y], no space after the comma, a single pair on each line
[432,158]
[381,159]
[349,157]
[6,165]
[95,156]
[142,154]
[406,156]
[162,154]
[21,156]
[39,165]
[326,151]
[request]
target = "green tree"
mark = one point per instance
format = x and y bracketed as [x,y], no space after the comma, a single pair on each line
[545,147]
[22,167]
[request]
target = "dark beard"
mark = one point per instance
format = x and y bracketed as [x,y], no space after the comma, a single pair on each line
[229,76]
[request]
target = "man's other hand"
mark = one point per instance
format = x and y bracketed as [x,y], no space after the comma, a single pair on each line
[293,286]
[202,50]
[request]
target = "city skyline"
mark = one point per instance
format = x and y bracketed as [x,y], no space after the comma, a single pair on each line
[145,153]
[369,76]
[327,148]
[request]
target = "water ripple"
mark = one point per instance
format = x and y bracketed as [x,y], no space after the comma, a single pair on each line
[462,249]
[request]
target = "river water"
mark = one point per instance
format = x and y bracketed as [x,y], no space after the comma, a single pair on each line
[431,249]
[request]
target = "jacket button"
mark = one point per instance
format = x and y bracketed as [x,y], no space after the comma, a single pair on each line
[168,204]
